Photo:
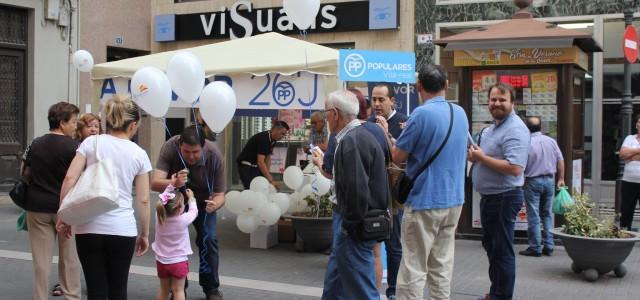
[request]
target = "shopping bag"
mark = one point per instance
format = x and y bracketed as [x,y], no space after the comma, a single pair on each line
[95,193]
[21,224]
[563,202]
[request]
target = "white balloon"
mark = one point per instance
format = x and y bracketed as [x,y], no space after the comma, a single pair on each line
[151,90]
[231,200]
[301,205]
[281,200]
[320,185]
[293,177]
[252,202]
[260,185]
[306,190]
[82,60]
[293,200]
[217,105]
[301,12]
[246,223]
[272,189]
[186,76]
[268,214]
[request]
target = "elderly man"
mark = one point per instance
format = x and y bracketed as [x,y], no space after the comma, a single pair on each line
[500,159]
[545,160]
[318,136]
[360,187]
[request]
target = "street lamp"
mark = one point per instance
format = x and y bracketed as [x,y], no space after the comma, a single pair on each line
[626,108]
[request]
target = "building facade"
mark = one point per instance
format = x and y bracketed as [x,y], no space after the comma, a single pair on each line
[36,42]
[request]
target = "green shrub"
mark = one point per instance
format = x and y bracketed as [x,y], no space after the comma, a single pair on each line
[581,221]
[320,206]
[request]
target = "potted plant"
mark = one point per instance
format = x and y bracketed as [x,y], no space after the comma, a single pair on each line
[313,225]
[595,245]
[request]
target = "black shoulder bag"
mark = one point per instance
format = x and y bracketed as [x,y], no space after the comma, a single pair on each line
[19,191]
[404,184]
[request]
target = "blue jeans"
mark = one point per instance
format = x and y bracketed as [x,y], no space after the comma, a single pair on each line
[498,217]
[393,246]
[350,272]
[207,242]
[538,195]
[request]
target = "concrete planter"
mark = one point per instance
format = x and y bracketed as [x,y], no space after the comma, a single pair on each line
[593,257]
[316,233]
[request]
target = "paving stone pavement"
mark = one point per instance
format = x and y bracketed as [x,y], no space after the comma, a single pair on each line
[537,277]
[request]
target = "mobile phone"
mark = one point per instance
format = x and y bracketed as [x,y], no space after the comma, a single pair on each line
[470,140]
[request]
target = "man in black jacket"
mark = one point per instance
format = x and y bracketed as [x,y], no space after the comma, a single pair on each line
[360,186]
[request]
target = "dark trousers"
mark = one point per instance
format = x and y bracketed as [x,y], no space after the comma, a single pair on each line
[498,217]
[207,242]
[630,195]
[248,173]
[393,246]
[105,262]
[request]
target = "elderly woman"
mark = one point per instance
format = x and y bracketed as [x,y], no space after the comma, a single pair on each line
[630,153]
[48,159]
[88,125]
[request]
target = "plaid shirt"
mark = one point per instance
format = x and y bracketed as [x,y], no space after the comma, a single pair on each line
[318,139]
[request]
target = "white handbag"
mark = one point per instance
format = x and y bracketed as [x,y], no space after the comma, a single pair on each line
[95,193]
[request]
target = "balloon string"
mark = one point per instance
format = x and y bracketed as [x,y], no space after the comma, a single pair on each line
[164,122]
[204,161]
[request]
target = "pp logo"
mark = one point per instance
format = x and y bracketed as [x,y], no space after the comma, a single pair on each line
[284,93]
[354,65]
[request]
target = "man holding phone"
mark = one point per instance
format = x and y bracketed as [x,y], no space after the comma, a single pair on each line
[191,161]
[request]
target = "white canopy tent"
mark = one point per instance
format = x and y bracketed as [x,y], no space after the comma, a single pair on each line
[257,55]
[267,71]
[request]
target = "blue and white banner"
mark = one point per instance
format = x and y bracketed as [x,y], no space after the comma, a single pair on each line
[302,90]
[378,66]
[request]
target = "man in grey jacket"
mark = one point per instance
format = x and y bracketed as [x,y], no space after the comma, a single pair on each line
[361,186]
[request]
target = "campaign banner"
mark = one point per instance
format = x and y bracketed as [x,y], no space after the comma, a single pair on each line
[304,91]
[379,66]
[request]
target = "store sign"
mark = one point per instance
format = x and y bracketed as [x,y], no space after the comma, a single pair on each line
[272,91]
[380,66]
[527,56]
[243,20]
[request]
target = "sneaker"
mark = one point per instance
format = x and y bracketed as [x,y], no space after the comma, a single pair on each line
[529,252]
[215,295]
[547,251]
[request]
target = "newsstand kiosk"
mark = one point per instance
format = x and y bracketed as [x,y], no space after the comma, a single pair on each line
[546,65]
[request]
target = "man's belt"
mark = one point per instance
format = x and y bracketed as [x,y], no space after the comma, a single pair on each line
[246,163]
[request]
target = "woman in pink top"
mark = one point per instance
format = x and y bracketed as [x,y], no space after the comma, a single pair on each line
[172,245]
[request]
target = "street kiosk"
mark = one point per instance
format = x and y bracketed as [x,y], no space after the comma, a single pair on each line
[546,65]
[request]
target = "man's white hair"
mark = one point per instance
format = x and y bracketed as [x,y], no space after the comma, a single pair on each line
[346,102]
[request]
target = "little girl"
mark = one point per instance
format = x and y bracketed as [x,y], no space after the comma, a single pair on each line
[172,244]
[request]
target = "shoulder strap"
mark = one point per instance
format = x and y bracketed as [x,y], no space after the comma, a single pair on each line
[435,155]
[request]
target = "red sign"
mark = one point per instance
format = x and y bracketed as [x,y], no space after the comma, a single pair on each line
[630,44]
[516,81]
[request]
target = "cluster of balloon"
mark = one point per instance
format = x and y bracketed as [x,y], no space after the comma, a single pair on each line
[261,205]
[152,90]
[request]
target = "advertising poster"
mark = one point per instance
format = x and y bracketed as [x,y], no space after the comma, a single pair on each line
[294,118]
[278,160]
[521,218]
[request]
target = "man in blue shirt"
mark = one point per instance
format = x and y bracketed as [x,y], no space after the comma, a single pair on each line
[498,176]
[434,204]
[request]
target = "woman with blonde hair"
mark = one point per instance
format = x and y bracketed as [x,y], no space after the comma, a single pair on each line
[106,244]
[88,125]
